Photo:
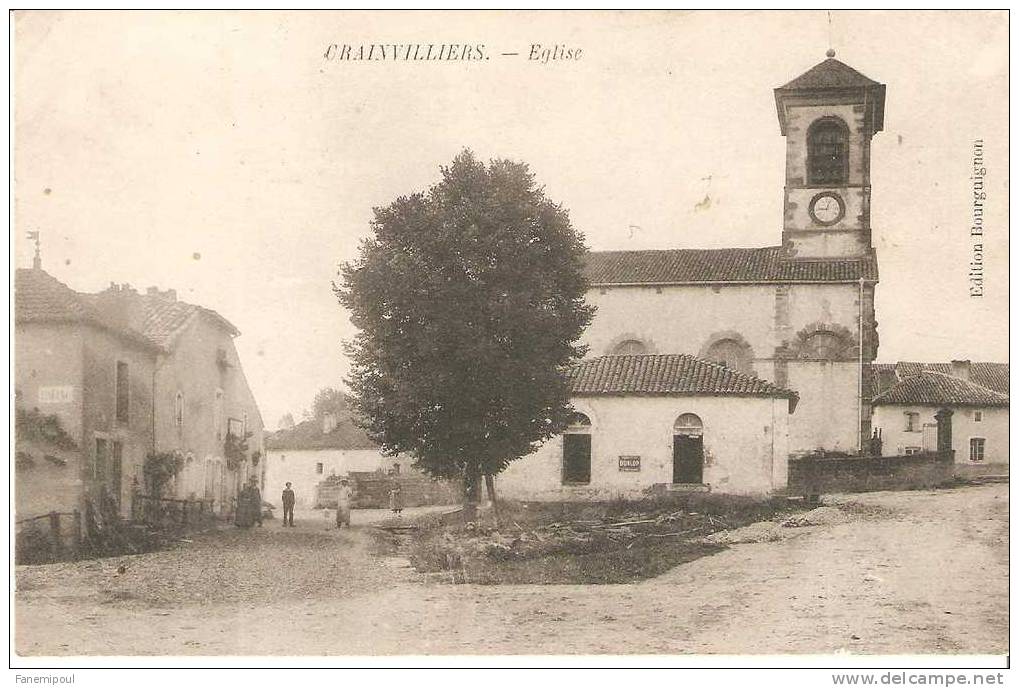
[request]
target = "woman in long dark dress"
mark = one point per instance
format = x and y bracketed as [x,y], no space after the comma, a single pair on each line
[244,517]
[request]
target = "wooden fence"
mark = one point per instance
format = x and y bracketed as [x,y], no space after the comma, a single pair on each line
[48,537]
[165,512]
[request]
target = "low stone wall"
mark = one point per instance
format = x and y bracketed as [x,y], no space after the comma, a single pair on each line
[812,476]
[371,490]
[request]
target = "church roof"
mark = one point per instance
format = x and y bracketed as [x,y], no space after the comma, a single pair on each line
[727,265]
[930,388]
[667,374]
[829,74]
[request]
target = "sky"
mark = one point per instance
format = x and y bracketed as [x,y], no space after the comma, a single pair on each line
[222,154]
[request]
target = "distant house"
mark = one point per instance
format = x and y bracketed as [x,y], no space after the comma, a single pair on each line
[311,451]
[127,374]
[974,395]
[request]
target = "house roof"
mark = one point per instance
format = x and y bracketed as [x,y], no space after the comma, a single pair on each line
[667,374]
[163,318]
[993,376]
[310,435]
[929,388]
[829,74]
[40,297]
[727,265]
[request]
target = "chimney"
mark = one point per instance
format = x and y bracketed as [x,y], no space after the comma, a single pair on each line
[960,369]
[168,295]
[328,423]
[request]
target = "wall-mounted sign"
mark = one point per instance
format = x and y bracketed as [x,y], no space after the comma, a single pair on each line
[56,395]
[629,463]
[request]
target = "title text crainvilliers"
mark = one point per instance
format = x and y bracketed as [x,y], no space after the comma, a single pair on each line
[976,230]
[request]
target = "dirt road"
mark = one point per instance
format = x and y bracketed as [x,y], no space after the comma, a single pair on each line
[913,572]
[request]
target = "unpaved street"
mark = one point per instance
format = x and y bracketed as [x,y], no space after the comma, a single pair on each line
[912,572]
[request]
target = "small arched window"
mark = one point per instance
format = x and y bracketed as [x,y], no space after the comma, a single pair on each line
[828,152]
[630,347]
[730,353]
[579,423]
[178,410]
[688,424]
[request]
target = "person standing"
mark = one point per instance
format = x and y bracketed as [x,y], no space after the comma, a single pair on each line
[288,506]
[396,499]
[344,497]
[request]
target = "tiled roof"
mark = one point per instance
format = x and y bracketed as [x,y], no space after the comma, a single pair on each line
[667,374]
[993,376]
[163,318]
[753,265]
[153,319]
[829,74]
[929,388]
[40,297]
[309,435]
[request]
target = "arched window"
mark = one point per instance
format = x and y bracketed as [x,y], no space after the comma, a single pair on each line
[826,346]
[178,410]
[630,347]
[688,424]
[828,152]
[730,353]
[577,451]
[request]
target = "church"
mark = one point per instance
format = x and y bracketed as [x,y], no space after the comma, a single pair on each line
[708,369]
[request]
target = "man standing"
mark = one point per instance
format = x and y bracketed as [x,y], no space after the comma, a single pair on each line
[288,506]
[343,498]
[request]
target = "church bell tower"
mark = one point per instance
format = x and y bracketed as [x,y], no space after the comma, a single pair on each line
[828,116]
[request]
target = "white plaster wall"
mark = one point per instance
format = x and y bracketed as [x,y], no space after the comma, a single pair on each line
[745,448]
[993,428]
[298,467]
[684,319]
[828,414]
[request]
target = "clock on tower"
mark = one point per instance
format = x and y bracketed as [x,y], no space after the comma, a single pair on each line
[828,116]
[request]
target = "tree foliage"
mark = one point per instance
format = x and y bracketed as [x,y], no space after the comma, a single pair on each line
[329,400]
[470,302]
[160,468]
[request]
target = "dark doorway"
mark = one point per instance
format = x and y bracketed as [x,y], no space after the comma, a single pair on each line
[688,459]
[576,458]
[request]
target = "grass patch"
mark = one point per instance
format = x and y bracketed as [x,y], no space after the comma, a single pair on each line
[604,542]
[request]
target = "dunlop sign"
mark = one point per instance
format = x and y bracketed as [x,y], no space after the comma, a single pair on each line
[629,463]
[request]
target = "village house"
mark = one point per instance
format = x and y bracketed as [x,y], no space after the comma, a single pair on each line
[130,374]
[311,451]
[94,374]
[971,397]
[203,407]
[793,318]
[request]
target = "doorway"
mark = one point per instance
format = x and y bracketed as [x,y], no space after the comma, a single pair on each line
[688,450]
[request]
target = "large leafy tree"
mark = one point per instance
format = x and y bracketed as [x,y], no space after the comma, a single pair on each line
[470,302]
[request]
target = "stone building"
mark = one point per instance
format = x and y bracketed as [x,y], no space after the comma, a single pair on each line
[94,374]
[128,374]
[203,407]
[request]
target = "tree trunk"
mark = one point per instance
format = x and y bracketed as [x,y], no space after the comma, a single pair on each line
[472,483]
[490,485]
